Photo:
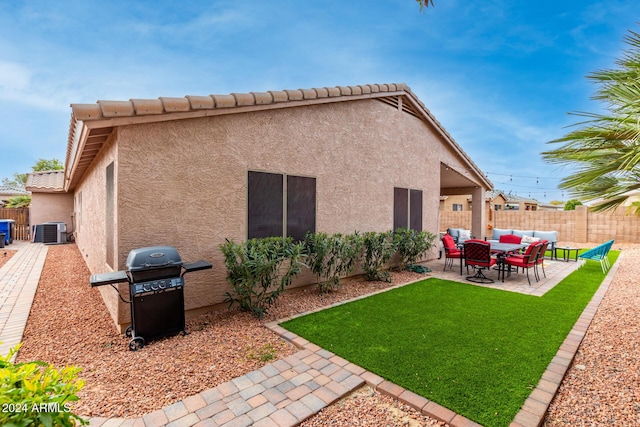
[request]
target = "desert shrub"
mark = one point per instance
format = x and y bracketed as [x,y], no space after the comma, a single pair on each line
[259,271]
[37,394]
[331,257]
[378,248]
[411,245]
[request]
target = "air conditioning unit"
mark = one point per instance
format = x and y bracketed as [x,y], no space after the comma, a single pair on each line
[51,233]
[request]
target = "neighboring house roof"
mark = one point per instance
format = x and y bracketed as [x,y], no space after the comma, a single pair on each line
[8,190]
[519,199]
[46,181]
[495,193]
[93,124]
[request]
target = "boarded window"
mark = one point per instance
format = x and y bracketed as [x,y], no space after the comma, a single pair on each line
[110,215]
[407,208]
[400,208]
[415,210]
[265,204]
[301,206]
[270,214]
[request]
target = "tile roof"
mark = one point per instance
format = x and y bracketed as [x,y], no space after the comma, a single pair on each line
[164,105]
[93,124]
[8,190]
[46,181]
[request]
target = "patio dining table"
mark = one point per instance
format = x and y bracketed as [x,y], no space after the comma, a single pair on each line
[501,250]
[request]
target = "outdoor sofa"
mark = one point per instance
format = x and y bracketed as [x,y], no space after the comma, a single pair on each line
[527,236]
[459,234]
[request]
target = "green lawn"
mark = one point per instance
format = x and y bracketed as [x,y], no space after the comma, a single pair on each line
[477,351]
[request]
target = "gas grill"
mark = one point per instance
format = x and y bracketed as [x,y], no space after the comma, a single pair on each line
[156,292]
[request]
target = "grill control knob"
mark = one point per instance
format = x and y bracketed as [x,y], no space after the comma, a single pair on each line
[163,285]
[154,286]
[146,287]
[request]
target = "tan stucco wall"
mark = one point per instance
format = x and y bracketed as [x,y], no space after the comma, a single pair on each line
[47,207]
[463,200]
[89,212]
[184,183]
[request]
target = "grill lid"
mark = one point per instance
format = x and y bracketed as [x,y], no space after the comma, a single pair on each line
[153,257]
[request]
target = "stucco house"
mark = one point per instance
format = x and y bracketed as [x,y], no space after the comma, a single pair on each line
[49,201]
[194,171]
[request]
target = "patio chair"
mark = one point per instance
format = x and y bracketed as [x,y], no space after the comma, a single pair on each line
[451,251]
[540,259]
[600,253]
[525,261]
[477,253]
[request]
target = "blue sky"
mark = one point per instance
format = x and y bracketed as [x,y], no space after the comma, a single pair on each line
[500,75]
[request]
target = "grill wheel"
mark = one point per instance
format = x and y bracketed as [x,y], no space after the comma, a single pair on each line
[136,343]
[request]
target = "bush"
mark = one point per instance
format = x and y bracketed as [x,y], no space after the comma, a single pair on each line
[37,394]
[259,270]
[330,257]
[411,245]
[378,249]
[571,204]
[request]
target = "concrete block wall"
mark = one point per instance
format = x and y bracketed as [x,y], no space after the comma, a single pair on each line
[579,226]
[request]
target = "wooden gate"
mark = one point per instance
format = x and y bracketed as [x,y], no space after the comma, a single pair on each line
[21,217]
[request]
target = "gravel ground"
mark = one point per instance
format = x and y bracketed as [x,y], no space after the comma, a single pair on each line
[365,407]
[601,388]
[5,255]
[69,324]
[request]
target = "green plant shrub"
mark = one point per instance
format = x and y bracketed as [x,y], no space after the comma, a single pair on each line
[571,204]
[259,270]
[18,202]
[378,248]
[37,394]
[331,257]
[411,245]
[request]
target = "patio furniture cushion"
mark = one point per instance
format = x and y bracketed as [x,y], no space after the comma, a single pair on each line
[454,232]
[510,238]
[529,239]
[523,232]
[451,251]
[551,236]
[497,232]
[525,261]
[449,245]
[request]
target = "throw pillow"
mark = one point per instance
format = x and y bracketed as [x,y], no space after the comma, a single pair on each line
[465,234]
[530,239]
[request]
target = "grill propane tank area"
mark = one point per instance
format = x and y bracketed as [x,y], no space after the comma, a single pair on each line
[156,292]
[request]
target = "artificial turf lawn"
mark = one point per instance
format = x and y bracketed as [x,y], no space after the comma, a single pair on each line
[477,351]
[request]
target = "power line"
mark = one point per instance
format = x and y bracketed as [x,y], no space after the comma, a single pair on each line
[538,177]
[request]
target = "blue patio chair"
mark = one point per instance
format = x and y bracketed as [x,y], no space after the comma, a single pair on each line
[600,253]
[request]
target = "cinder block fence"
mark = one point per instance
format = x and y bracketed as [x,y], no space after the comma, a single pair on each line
[579,226]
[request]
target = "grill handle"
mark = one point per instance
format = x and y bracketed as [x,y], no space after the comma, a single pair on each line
[196,266]
[108,278]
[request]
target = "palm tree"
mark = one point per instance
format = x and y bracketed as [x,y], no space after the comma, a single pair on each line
[424,3]
[605,150]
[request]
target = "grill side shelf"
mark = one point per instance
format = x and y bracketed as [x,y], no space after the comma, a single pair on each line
[108,278]
[197,266]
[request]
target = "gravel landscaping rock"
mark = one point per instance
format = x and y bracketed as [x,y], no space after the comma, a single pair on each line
[365,407]
[5,256]
[69,324]
[602,387]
